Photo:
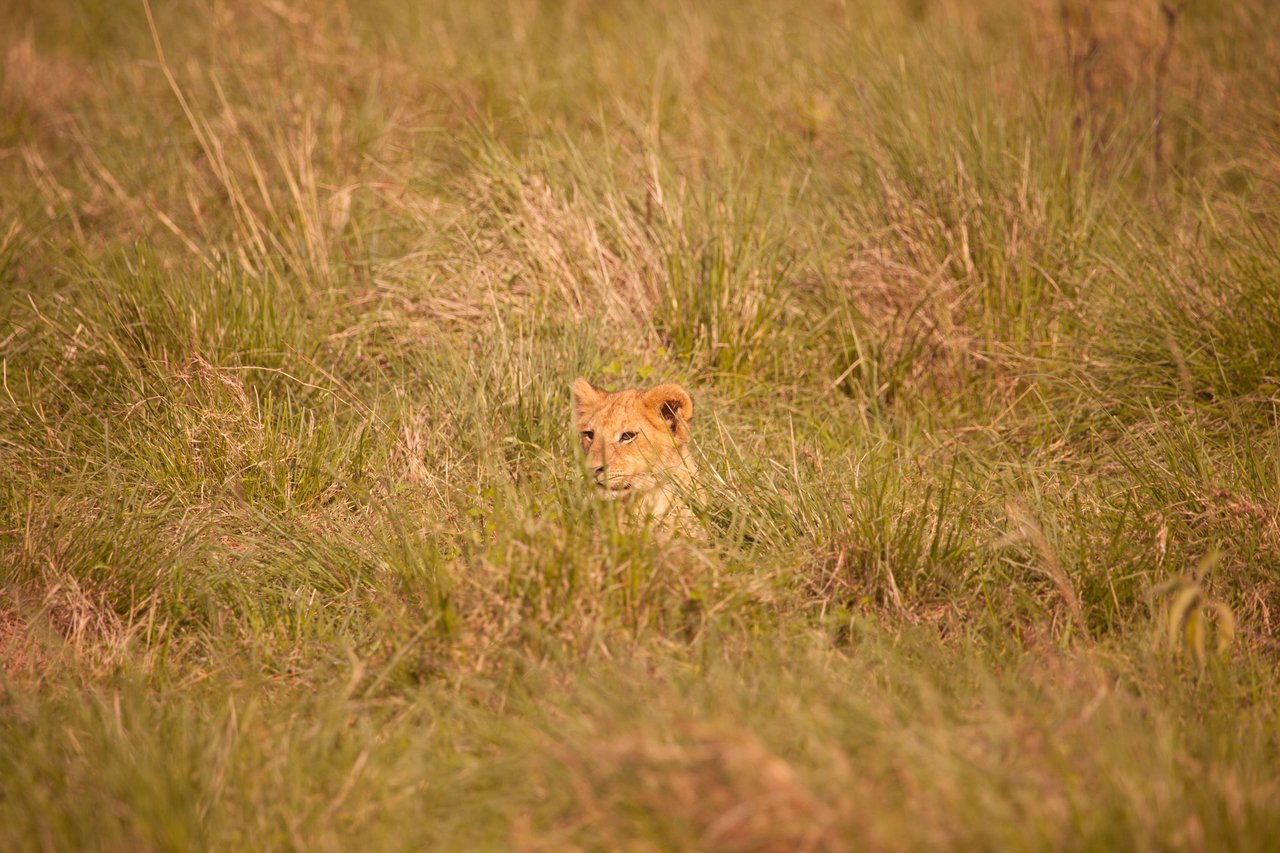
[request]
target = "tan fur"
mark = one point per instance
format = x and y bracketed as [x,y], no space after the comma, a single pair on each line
[636,444]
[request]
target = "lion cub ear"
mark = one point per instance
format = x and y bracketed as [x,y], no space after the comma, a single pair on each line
[585,397]
[674,405]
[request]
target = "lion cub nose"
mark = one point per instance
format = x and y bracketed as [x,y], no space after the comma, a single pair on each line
[598,470]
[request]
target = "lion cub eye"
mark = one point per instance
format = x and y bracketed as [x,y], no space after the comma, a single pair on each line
[626,438]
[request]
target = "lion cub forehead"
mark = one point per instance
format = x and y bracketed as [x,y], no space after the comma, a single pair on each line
[621,402]
[624,409]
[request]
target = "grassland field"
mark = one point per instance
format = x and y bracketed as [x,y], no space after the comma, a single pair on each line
[979,304]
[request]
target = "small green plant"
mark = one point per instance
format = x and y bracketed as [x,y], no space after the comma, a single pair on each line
[1190,622]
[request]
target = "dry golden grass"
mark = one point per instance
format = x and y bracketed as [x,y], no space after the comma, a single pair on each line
[977,303]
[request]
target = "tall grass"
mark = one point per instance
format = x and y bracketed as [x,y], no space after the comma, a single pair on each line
[978,306]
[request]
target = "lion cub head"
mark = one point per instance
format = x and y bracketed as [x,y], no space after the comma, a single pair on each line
[635,441]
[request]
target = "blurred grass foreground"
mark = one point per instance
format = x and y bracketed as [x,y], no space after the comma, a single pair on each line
[980,305]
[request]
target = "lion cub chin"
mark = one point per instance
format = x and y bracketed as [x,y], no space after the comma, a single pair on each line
[637,448]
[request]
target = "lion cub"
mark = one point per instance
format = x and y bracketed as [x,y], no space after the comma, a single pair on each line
[637,446]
